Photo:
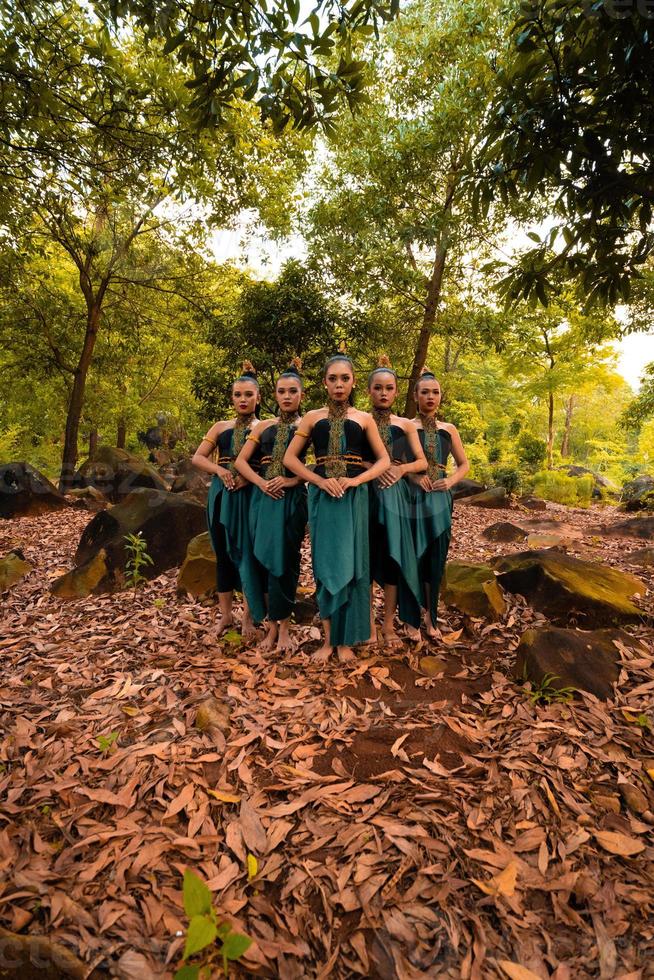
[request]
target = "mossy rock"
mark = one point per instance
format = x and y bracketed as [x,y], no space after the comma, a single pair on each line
[634,527]
[198,572]
[560,585]
[13,568]
[585,661]
[84,580]
[643,557]
[24,492]
[495,497]
[116,473]
[472,589]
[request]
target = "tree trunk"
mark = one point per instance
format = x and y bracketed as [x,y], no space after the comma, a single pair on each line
[433,296]
[76,401]
[93,440]
[550,431]
[569,409]
[121,434]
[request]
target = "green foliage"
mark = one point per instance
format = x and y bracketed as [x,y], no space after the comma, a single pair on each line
[642,407]
[296,61]
[9,443]
[203,931]
[531,451]
[137,558]
[107,743]
[508,477]
[546,693]
[575,491]
[564,128]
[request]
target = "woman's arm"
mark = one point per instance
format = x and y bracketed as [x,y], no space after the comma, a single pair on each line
[293,462]
[242,461]
[204,451]
[419,464]
[461,460]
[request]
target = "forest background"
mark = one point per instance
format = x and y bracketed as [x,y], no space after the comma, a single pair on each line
[455,193]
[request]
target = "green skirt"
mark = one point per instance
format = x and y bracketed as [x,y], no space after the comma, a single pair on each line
[392,548]
[228,520]
[276,532]
[341,562]
[431,518]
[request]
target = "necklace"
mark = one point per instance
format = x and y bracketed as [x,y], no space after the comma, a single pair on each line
[382,417]
[241,426]
[337,414]
[432,453]
[276,465]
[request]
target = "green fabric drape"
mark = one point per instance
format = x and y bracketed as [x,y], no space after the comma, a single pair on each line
[393,538]
[341,562]
[276,533]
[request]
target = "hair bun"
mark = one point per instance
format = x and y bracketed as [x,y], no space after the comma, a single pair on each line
[248,368]
[296,362]
[426,372]
[383,361]
[342,347]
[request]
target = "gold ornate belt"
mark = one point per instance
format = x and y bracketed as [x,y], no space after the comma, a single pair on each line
[347,457]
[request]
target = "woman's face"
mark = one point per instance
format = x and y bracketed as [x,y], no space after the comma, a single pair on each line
[245,397]
[288,394]
[428,396]
[383,389]
[339,380]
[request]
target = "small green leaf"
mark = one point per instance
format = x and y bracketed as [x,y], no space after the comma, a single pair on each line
[197,897]
[187,973]
[235,945]
[201,932]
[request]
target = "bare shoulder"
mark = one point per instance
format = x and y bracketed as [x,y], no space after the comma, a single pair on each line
[219,427]
[449,427]
[401,422]
[309,419]
[262,425]
[363,418]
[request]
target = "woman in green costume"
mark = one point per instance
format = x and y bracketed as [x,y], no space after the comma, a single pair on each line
[392,553]
[278,515]
[431,496]
[338,507]
[229,495]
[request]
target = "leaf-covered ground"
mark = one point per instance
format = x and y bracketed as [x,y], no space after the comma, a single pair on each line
[403,826]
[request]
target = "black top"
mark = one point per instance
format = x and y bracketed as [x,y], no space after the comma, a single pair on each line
[353,445]
[224,447]
[399,448]
[267,443]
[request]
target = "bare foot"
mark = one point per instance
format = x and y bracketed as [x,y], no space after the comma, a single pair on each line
[391,639]
[432,631]
[222,625]
[345,654]
[413,633]
[269,640]
[249,631]
[322,654]
[286,644]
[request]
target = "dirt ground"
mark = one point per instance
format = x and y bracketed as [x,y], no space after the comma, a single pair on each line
[404,826]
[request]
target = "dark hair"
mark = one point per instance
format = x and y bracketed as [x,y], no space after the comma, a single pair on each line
[425,373]
[293,371]
[383,365]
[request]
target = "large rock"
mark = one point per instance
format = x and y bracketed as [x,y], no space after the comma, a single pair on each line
[638,494]
[92,576]
[504,532]
[633,527]
[560,586]
[189,479]
[115,472]
[166,522]
[467,488]
[602,486]
[532,503]
[24,492]
[13,568]
[586,661]
[643,557]
[198,572]
[495,497]
[472,589]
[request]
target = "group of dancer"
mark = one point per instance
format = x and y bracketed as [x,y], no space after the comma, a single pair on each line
[377,500]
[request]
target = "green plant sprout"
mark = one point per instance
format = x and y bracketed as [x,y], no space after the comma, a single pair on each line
[205,933]
[545,693]
[138,557]
[107,742]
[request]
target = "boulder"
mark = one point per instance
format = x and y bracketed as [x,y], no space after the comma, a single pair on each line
[198,572]
[472,589]
[638,494]
[13,568]
[33,956]
[467,488]
[115,472]
[586,661]
[495,497]
[533,503]
[504,532]
[166,522]
[92,576]
[643,557]
[560,585]
[24,492]
[634,527]
[189,479]
[544,539]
